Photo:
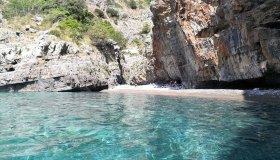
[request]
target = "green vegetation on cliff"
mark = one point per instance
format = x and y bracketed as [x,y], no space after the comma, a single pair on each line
[146,28]
[65,16]
[102,30]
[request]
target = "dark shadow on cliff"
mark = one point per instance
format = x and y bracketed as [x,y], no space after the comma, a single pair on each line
[15,87]
[268,81]
[94,88]
[233,43]
[112,53]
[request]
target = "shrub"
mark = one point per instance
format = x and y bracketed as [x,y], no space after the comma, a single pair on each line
[76,37]
[125,15]
[70,24]
[112,12]
[75,8]
[146,29]
[110,2]
[102,31]
[132,4]
[23,7]
[72,17]
[99,13]
[56,33]
[56,15]
[78,11]
[138,42]
[119,38]
[117,5]
[148,2]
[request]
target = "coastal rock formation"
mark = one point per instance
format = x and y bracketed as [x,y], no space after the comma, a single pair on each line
[33,58]
[203,44]
[208,42]
[137,57]
[48,65]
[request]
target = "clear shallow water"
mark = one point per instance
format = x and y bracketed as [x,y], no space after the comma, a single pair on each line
[120,126]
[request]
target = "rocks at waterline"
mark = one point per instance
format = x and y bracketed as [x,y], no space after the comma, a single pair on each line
[51,66]
[48,64]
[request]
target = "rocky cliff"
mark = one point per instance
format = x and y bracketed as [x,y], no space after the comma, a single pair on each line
[213,43]
[33,59]
[203,44]
[44,64]
[138,58]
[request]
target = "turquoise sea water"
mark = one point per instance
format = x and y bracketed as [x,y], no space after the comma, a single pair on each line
[121,126]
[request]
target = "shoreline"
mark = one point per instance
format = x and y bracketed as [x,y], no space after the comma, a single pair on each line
[226,94]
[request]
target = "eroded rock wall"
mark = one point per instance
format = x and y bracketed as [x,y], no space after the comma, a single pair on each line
[137,61]
[216,40]
[34,60]
[50,65]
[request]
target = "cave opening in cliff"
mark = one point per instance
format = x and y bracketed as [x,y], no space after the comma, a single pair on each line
[88,89]
[272,25]
[269,81]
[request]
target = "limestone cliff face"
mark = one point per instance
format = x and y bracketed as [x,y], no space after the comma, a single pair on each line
[49,65]
[34,60]
[216,40]
[138,55]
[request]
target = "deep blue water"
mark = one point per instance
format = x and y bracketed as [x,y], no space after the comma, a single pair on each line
[105,126]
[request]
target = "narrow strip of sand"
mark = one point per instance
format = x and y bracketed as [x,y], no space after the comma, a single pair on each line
[260,95]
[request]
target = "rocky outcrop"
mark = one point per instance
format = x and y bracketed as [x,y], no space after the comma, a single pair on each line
[137,58]
[48,65]
[206,41]
[139,68]
[33,60]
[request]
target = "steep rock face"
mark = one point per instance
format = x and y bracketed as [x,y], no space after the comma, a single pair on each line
[35,60]
[209,40]
[137,62]
[50,66]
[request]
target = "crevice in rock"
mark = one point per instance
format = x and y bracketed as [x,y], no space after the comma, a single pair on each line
[64,49]
[210,31]
[46,49]
[111,52]
[272,25]
[14,62]
[11,69]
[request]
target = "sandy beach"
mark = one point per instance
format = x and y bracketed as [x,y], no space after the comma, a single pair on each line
[152,89]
